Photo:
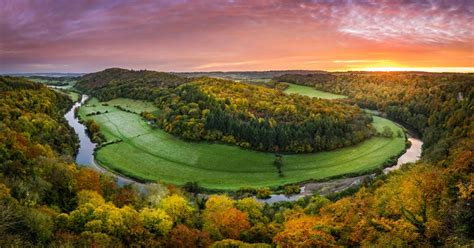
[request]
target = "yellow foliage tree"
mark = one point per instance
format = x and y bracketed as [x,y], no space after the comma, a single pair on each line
[178,208]
[156,220]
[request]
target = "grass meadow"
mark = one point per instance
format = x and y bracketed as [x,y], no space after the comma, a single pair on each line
[151,154]
[311,92]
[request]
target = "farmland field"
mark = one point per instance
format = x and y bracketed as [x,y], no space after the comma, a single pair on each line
[311,92]
[152,154]
[73,95]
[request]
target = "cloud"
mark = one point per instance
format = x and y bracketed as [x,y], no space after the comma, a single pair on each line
[247,34]
[414,22]
[225,64]
[351,61]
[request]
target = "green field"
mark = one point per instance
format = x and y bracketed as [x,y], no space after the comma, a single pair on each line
[135,106]
[73,95]
[63,84]
[152,154]
[311,92]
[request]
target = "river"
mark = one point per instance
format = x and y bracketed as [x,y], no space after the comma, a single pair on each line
[85,154]
[85,157]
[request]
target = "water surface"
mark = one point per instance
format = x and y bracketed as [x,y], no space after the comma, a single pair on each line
[85,154]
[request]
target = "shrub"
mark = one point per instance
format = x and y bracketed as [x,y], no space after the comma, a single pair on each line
[292,189]
[264,193]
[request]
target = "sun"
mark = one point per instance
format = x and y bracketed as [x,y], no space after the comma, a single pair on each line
[424,69]
[393,66]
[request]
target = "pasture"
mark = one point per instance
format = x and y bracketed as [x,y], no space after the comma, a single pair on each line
[151,154]
[311,92]
[72,94]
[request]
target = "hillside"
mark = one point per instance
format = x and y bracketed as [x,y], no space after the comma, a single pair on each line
[432,104]
[115,82]
[246,75]
[260,118]
[250,116]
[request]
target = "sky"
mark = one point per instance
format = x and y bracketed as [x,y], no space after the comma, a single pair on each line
[195,35]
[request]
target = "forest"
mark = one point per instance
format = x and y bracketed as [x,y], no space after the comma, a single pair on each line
[46,200]
[115,82]
[432,104]
[260,118]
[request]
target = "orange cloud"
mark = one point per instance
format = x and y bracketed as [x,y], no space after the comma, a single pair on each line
[174,35]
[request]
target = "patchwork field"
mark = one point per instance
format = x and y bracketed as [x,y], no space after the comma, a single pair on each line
[311,92]
[152,154]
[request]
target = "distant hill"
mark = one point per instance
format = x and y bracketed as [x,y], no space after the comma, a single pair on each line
[248,75]
[116,82]
[45,74]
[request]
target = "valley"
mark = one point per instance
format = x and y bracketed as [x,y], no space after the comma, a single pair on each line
[150,154]
[194,185]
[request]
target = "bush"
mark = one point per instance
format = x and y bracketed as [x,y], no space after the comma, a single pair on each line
[278,163]
[264,193]
[292,189]
[192,187]
[245,192]
[387,132]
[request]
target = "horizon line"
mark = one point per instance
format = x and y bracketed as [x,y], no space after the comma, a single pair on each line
[373,69]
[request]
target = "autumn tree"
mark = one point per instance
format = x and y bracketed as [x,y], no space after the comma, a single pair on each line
[156,220]
[88,179]
[179,209]
[305,231]
[126,195]
[182,236]
[222,219]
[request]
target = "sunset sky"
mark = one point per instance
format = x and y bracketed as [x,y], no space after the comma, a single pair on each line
[178,35]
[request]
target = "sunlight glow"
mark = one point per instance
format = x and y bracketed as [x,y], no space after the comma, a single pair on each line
[426,69]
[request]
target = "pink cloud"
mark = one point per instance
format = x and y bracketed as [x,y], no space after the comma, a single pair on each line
[189,35]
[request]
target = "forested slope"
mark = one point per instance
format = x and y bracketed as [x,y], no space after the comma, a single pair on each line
[260,118]
[115,82]
[250,116]
[436,105]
